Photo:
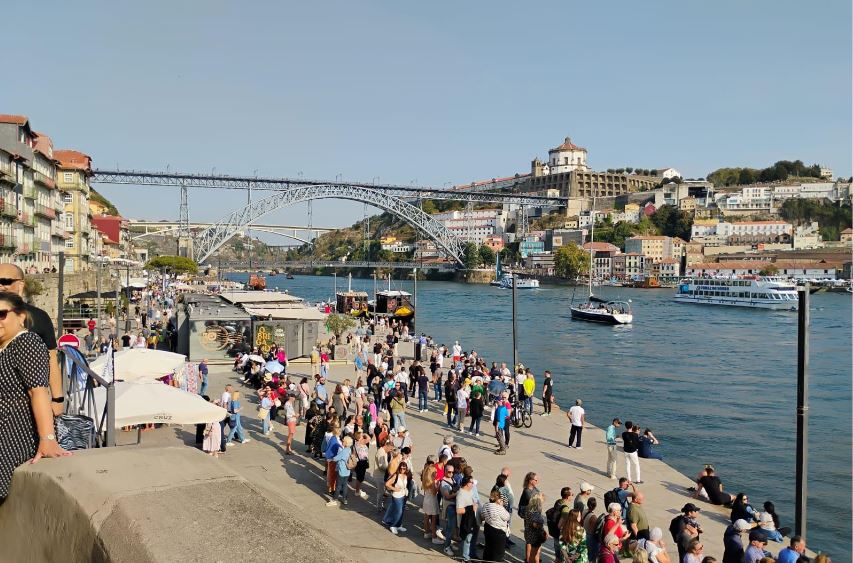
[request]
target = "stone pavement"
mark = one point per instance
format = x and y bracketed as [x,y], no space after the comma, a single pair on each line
[298,479]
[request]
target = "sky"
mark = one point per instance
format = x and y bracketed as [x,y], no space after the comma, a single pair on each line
[425,93]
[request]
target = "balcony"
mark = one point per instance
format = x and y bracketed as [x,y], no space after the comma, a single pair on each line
[44,180]
[8,209]
[8,242]
[29,192]
[45,211]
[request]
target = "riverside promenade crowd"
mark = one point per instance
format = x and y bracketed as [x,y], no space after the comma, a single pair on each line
[357,431]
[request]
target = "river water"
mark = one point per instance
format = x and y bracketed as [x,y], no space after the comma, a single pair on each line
[716,384]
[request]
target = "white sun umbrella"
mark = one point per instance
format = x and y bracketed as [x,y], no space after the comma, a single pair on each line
[142,403]
[137,364]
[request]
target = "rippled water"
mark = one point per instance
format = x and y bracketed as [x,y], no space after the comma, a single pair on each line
[716,384]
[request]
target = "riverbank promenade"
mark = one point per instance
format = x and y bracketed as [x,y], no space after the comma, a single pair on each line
[297,484]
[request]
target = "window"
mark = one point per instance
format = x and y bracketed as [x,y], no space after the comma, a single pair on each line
[68,177]
[69,221]
[68,198]
[69,243]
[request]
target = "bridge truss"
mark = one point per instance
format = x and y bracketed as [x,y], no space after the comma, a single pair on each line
[475,195]
[209,240]
[393,198]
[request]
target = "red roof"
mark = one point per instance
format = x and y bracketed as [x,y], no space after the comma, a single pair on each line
[568,146]
[44,144]
[73,159]
[17,119]
[600,246]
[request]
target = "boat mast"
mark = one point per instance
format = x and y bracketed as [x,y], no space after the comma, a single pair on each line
[591,241]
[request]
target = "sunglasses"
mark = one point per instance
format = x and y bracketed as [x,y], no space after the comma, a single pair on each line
[9,281]
[4,313]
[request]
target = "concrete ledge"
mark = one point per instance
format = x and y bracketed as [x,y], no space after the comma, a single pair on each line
[148,505]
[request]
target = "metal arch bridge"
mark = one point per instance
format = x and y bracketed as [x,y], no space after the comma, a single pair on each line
[483,192]
[154,228]
[208,241]
[300,264]
[389,197]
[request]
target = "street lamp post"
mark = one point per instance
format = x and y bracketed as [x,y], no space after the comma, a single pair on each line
[802,489]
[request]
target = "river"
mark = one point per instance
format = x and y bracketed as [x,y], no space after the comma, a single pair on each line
[716,384]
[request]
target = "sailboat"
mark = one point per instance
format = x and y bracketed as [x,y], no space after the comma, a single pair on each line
[596,309]
[498,273]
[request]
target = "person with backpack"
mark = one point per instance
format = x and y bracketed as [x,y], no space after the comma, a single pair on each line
[380,469]
[621,495]
[448,489]
[556,516]
[343,466]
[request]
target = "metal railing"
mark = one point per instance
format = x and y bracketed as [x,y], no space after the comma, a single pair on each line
[80,396]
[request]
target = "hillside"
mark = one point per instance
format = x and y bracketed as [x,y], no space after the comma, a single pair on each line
[97,197]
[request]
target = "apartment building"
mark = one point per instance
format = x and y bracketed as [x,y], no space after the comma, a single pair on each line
[653,247]
[73,172]
[475,226]
[30,203]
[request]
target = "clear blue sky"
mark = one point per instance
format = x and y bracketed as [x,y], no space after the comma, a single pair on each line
[426,91]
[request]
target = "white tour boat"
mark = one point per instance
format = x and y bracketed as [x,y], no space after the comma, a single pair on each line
[521,283]
[744,291]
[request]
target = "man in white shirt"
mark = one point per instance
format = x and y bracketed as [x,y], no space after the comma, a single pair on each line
[577,416]
[457,351]
[225,400]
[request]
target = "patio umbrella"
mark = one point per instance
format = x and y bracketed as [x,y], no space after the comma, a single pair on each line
[144,403]
[274,367]
[141,363]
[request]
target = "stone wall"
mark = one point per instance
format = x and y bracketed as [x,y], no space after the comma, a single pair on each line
[150,505]
[77,282]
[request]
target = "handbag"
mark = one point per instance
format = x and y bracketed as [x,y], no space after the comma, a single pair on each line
[263,413]
[74,431]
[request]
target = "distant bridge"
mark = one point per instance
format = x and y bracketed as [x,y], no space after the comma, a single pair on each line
[283,265]
[395,199]
[142,229]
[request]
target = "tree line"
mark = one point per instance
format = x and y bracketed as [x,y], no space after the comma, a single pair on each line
[831,217]
[780,171]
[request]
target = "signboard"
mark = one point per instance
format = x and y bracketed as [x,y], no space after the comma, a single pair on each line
[69,340]
[268,334]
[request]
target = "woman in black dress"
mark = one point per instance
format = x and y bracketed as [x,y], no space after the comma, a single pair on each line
[26,427]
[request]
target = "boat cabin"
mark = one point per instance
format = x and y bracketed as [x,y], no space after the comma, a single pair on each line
[352,302]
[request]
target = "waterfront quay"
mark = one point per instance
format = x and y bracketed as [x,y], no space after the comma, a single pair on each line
[297,484]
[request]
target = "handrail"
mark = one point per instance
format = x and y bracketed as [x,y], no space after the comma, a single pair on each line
[80,396]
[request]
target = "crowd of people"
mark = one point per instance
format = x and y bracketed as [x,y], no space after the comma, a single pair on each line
[344,422]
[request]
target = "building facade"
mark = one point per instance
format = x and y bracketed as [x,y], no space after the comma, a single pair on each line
[653,247]
[31,230]
[73,172]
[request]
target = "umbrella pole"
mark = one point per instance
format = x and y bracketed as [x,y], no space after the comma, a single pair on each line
[138,435]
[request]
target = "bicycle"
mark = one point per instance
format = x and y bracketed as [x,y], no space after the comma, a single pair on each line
[520,416]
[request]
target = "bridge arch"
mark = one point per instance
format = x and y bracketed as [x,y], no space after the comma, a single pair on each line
[211,239]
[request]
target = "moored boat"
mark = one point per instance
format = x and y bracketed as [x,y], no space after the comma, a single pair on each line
[740,291]
[257,282]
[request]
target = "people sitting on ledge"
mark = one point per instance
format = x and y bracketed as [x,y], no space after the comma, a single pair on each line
[647,443]
[709,486]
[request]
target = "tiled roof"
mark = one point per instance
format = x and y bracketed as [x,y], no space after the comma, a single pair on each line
[72,159]
[17,119]
[602,246]
[567,146]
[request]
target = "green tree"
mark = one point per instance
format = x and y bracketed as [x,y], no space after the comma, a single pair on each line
[570,261]
[510,253]
[471,255]
[175,264]
[487,255]
[672,222]
[769,270]
[339,324]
